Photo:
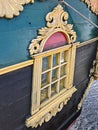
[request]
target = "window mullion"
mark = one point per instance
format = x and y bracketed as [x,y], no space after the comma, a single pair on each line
[58,74]
[50,75]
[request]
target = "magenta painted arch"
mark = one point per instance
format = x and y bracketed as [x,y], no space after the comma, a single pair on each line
[58,39]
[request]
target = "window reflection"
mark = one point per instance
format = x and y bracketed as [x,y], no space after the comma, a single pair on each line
[46,63]
[55,60]
[45,79]
[54,74]
[53,89]
[63,70]
[44,94]
[62,84]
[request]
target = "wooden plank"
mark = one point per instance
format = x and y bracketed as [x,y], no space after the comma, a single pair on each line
[84,60]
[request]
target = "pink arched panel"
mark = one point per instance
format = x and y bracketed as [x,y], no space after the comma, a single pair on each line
[56,40]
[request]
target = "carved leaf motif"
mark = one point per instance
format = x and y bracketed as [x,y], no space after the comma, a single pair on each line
[56,22]
[93,4]
[57,18]
[34,46]
[10,8]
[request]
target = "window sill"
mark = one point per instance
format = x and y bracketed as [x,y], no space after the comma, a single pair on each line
[50,110]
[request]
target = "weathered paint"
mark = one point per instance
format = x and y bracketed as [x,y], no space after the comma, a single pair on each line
[16,34]
[15,94]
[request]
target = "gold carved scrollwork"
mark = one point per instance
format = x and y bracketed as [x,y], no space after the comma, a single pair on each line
[38,120]
[43,112]
[56,22]
[10,8]
[93,5]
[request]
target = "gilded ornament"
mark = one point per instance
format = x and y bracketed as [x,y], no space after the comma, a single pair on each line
[43,112]
[93,5]
[38,120]
[11,8]
[56,22]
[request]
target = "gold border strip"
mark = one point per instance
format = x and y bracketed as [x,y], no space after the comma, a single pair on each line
[87,42]
[15,67]
[30,62]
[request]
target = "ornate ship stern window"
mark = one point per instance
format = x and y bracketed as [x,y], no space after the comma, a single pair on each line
[53,52]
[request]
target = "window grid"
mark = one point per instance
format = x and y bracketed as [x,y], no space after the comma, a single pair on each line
[56,71]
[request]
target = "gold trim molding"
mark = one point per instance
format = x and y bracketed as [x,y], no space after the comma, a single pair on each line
[15,67]
[56,22]
[11,8]
[93,5]
[91,41]
[30,62]
[50,110]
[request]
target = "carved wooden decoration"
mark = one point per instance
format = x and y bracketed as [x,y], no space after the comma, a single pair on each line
[51,110]
[53,69]
[93,5]
[56,22]
[10,8]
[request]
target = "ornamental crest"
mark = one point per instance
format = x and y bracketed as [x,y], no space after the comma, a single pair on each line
[56,22]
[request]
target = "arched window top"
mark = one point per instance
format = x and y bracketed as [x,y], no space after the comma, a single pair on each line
[57,33]
[57,39]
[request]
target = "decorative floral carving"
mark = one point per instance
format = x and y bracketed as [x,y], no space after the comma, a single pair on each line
[56,22]
[47,116]
[50,110]
[10,8]
[93,4]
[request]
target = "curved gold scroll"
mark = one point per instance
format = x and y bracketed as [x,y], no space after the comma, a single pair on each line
[10,8]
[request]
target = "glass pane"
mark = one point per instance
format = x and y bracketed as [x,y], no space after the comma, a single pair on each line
[54,74]
[53,89]
[62,83]
[63,57]
[46,63]
[55,59]
[63,70]
[44,95]
[45,79]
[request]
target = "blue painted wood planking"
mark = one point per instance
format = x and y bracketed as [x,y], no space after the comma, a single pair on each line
[16,34]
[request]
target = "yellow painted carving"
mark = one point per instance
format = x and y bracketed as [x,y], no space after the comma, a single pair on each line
[42,112]
[93,5]
[10,8]
[56,22]
[45,114]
